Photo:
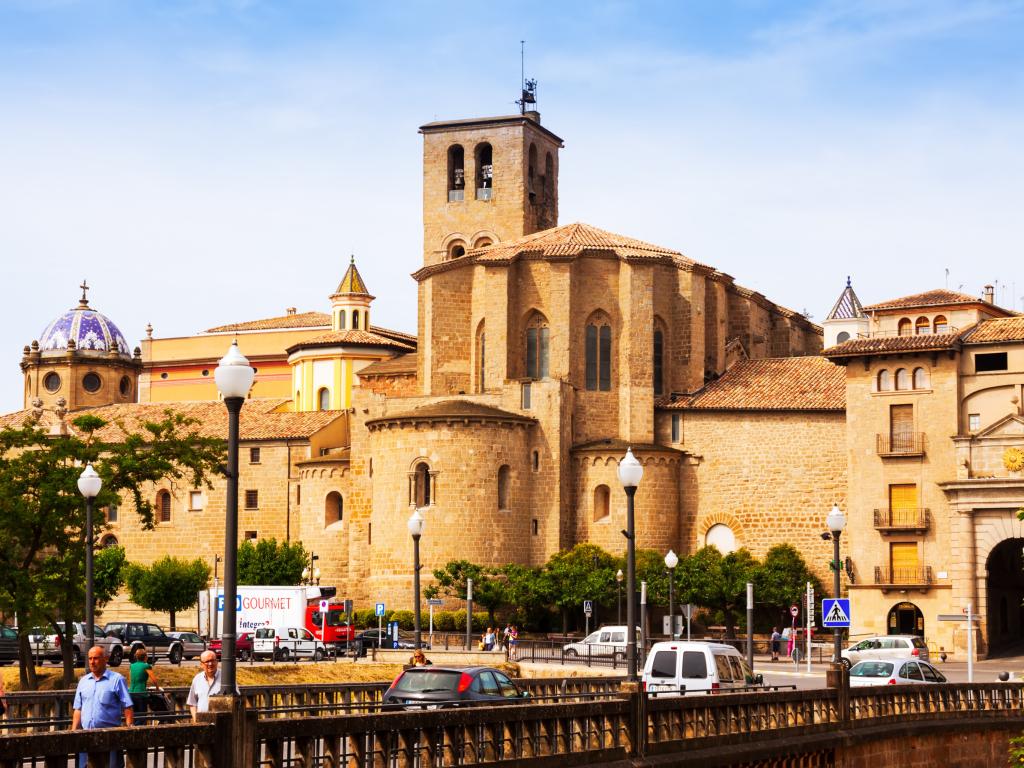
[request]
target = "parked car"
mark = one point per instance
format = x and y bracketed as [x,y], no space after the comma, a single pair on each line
[46,644]
[243,645]
[379,638]
[887,647]
[133,635]
[435,687]
[605,642]
[192,645]
[678,667]
[285,643]
[893,672]
[8,645]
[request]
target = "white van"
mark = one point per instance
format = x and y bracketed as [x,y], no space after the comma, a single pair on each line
[605,642]
[678,667]
[286,643]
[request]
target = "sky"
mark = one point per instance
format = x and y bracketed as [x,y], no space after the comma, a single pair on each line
[207,162]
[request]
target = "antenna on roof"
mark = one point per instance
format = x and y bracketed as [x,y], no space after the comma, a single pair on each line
[947,277]
[528,88]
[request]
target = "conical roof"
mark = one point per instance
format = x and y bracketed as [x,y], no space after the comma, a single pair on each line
[848,306]
[352,282]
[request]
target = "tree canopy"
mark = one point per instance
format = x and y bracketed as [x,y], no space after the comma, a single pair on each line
[269,563]
[169,585]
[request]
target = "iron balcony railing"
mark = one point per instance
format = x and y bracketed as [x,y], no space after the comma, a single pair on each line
[900,444]
[903,576]
[903,519]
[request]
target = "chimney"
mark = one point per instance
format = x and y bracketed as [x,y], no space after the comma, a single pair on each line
[290,311]
[989,294]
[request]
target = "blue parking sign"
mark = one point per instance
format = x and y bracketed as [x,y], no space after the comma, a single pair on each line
[835,612]
[380,609]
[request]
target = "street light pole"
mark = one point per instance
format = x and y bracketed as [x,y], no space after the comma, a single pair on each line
[415,524]
[836,522]
[619,577]
[630,474]
[89,484]
[671,561]
[234,377]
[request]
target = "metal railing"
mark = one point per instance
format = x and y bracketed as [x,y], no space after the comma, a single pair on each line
[903,576]
[903,519]
[900,444]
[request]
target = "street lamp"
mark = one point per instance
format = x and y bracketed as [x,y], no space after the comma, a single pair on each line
[89,484]
[416,523]
[630,474]
[836,522]
[311,572]
[619,577]
[234,378]
[671,561]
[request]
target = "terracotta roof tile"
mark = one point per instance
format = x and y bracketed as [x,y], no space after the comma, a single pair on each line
[1003,329]
[878,345]
[301,320]
[808,383]
[359,338]
[259,419]
[403,364]
[455,410]
[573,240]
[938,297]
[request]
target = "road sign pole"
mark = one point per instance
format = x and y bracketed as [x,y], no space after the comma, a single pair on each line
[810,621]
[430,632]
[970,644]
[750,625]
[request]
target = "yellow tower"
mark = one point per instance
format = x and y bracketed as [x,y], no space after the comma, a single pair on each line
[350,303]
[486,180]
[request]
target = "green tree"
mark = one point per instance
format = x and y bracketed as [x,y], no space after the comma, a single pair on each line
[781,580]
[268,563]
[170,585]
[585,572]
[489,587]
[718,582]
[42,514]
[526,595]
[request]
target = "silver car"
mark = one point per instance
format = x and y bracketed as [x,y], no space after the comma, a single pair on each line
[45,643]
[886,647]
[894,672]
[192,645]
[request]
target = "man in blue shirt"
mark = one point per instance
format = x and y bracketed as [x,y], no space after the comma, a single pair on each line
[100,698]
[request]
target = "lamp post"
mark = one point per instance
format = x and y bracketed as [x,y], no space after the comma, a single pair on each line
[311,573]
[630,474]
[619,577]
[415,524]
[89,484]
[671,561]
[836,522]
[234,378]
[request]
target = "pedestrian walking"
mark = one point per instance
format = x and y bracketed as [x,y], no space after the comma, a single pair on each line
[776,642]
[204,685]
[140,675]
[513,642]
[100,699]
[489,639]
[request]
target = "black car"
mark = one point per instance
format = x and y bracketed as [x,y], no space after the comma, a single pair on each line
[379,638]
[8,645]
[136,634]
[434,687]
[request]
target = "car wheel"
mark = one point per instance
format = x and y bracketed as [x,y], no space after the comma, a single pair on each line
[116,656]
[175,655]
[284,654]
[620,657]
[846,663]
[571,653]
[318,654]
[76,657]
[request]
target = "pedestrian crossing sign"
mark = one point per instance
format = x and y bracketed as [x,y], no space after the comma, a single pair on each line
[835,612]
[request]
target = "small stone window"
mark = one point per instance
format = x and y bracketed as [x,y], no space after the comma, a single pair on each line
[126,385]
[922,326]
[484,171]
[538,336]
[163,506]
[973,422]
[884,381]
[902,378]
[602,499]
[195,500]
[504,481]
[254,455]
[456,249]
[91,382]
[108,541]
[422,485]
[252,499]
[659,361]
[920,379]
[535,526]
[676,427]
[536,461]
[323,399]
[940,324]
[905,327]
[251,535]
[51,381]
[355,321]
[598,356]
[298,494]
[112,511]
[456,174]
[843,336]
[334,508]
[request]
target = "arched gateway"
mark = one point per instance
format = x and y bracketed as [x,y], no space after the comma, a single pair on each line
[1004,588]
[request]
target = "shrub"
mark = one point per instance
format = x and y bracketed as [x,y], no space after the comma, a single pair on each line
[364,618]
[405,619]
[444,621]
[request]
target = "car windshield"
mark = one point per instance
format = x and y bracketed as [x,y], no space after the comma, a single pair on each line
[919,643]
[428,681]
[871,669]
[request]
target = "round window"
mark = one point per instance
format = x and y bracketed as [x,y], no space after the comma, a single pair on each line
[91,382]
[126,385]
[206,371]
[51,381]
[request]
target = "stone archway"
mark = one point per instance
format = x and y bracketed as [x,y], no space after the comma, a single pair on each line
[1004,592]
[905,619]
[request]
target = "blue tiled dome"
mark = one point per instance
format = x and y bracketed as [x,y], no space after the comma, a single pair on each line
[91,330]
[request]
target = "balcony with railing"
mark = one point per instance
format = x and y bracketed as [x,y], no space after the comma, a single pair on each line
[900,444]
[902,520]
[904,577]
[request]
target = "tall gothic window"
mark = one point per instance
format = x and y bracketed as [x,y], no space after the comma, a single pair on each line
[598,354]
[659,361]
[422,485]
[538,336]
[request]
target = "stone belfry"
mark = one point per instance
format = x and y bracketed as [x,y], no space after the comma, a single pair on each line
[486,180]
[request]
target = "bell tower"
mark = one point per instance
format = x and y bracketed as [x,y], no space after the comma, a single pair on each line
[486,180]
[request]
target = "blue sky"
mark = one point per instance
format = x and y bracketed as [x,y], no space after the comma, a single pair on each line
[204,162]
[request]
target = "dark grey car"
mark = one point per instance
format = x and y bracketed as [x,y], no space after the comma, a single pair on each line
[8,645]
[436,687]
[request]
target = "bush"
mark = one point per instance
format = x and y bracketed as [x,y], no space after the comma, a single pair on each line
[444,621]
[364,618]
[405,619]
[459,619]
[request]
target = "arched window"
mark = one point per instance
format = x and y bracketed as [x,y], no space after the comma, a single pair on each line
[484,171]
[482,242]
[598,355]
[108,541]
[940,324]
[323,399]
[884,381]
[538,336]
[843,336]
[456,249]
[334,508]
[548,179]
[422,485]
[920,378]
[456,173]
[722,537]
[341,320]
[602,497]
[504,481]
[906,328]
[659,361]
[355,319]
[922,326]
[531,173]
[902,379]
[163,506]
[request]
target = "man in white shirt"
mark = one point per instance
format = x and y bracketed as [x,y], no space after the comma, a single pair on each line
[205,684]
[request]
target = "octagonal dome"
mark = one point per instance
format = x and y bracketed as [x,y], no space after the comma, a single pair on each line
[92,331]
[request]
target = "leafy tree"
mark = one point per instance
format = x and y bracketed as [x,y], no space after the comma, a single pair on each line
[782,579]
[108,567]
[268,563]
[585,572]
[717,581]
[489,587]
[169,585]
[526,594]
[42,514]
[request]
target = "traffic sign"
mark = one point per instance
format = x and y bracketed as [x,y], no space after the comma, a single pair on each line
[794,610]
[835,612]
[435,601]
[380,609]
[588,607]
[323,606]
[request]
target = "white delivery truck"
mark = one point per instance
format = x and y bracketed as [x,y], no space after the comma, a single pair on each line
[256,607]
